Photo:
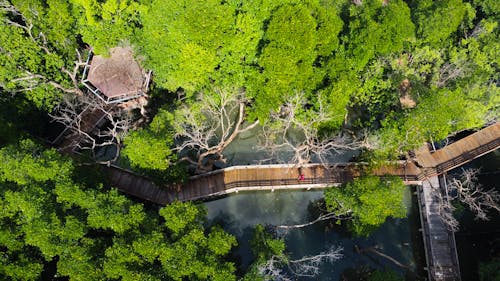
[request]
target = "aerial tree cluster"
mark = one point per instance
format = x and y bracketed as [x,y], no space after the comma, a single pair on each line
[349,62]
[367,202]
[54,216]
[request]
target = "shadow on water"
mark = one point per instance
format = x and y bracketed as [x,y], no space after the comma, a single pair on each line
[398,238]
[479,241]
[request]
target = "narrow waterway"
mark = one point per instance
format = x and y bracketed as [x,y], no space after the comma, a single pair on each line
[479,241]
[246,150]
[398,238]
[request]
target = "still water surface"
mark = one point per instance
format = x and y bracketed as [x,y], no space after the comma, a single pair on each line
[239,213]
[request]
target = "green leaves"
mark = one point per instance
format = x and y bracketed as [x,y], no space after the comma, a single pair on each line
[438,20]
[193,254]
[104,24]
[184,42]
[369,201]
[377,30]
[179,216]
[113,211]
[95,233]
[29,163]
[150,148]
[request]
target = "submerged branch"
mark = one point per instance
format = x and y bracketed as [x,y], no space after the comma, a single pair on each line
[327,216]
[375,251]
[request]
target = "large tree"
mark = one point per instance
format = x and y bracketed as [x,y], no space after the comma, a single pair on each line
[92,232]
[368,201]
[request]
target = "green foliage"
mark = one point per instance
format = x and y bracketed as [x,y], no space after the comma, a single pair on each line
[115,212]
[386,275]
[33,52]
[267,48]
[375,97]
[489,7]
[348,59]
[150,148]
[369,201]
[104,24]
[438,20]
[377,30]
[429,122]
[295,42]
[95,233]
[490,271]
[263,246]
[185,41]
[179,216]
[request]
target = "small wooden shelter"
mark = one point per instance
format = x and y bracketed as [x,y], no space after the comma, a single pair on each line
[117,78]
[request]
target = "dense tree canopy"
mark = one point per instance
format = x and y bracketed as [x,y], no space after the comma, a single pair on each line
[368,201]
[339,68]
[347,58]
[37,46]
[95,233]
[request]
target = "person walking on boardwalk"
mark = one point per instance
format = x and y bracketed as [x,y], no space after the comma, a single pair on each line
[301,175]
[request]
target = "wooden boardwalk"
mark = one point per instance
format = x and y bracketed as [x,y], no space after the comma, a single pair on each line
[439,241]
[230,180]
[248,178]
[69,139]
[275,177]
[459,152]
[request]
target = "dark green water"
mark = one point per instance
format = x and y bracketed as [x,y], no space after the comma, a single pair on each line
[398,238]
[479,241]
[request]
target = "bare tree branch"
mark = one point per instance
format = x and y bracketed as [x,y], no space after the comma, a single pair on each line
[444,208]
[471,193]
[377,252]
[326,216]
[451,71]
[467,190]
[26,24]
[296,129]
[30,81]
[308,266]
[82,115]
[210,125]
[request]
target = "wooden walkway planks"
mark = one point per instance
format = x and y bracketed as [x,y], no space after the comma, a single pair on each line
[439,241]
[139,186]
[88,120]
[467,148]
[286,176]
[243,178]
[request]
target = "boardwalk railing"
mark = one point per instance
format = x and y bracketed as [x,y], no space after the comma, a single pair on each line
[467,156]
[439,242]
[285,182]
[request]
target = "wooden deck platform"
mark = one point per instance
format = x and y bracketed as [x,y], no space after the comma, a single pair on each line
[439,242]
